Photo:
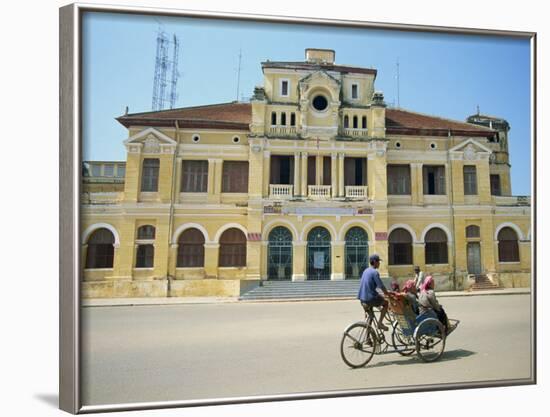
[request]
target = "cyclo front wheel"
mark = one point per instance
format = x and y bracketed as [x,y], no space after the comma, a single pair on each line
[401,343]
[358,345]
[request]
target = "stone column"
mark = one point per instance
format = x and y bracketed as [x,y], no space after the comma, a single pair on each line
[132,180]
[212,172]
[341,188]
[211,258]
[124,257]
[172,262]
[303,179]
[335,174]
[297,190]
[417,197]
[319,170]
[266,173]
[253,256]
[299,261]
[338,262]
[161,248]
[419,257]
[263,260]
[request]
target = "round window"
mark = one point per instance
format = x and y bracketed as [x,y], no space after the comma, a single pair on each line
[433,145]
[196,138]
[320,103]
[236,139]
[397,145]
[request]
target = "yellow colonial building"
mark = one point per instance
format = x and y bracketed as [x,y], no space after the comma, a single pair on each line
[302,183]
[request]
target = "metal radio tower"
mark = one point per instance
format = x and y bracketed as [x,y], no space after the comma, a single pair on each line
[166,72]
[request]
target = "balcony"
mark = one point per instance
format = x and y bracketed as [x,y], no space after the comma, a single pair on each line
[319,192]
[512,200]
[282,131]
[355,133]
[281,191]
[356,191]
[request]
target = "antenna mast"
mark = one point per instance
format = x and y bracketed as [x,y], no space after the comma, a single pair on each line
[239,74]
[164,69]
[398,101]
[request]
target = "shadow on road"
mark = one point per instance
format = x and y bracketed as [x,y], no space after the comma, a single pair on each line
[450,355]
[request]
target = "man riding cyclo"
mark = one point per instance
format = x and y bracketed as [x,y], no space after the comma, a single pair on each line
[372,292]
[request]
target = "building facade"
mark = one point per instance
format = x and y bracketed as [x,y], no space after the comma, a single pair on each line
[301,183]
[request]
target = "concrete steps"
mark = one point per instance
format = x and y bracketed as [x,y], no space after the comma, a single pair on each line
[288,290]
[483,283]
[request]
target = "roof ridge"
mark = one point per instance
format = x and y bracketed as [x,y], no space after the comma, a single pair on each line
[441,118]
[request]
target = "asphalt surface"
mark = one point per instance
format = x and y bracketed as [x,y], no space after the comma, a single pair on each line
[227,350]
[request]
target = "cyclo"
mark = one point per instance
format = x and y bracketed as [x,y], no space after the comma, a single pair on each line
[423,334]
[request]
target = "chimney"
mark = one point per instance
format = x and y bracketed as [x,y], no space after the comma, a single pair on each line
[320,56]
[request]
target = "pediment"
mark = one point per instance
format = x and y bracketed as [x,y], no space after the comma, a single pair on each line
[471,149]
[150,140]
[320,77]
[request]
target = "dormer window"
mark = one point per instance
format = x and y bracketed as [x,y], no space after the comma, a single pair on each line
[354,91]
[284,88]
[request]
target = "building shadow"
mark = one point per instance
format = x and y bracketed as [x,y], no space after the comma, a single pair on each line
[49,399]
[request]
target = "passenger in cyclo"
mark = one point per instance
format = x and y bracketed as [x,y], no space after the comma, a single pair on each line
[427,301]
[409,290]
[372,292]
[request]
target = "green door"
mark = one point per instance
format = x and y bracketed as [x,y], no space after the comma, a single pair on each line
[356,253]
[279,254]
[318,254]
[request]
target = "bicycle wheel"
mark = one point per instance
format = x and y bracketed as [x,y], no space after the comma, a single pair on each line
[430,338]
[358,345]
[401,342]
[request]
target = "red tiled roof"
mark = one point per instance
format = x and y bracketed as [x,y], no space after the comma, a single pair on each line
[216,116]
[399,121]
[239,115]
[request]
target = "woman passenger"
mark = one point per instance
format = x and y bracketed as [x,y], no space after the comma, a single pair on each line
[409,289]
[427,301]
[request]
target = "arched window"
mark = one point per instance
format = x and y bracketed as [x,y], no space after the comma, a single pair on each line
[146,232]
[364,122]
[356,252]
[318,254]
[472,231]
[292,119]
[232,248]
[100,251]
[355,122]
[346,121]
[508,249]
[190,249]
[273,118]
[436,247]
[145,255]
[283,119]
[400,247]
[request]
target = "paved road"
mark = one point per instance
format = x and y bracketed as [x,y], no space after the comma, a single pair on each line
[201,351]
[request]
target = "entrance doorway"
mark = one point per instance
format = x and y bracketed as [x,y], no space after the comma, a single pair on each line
[318,254]
[279,254]
[357,252]
[474,258]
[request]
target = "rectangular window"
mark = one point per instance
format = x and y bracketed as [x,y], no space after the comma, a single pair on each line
[399,179]
[150,175]
[96,170]
[311,170]
[145,256]
[284,88]
[354,91]
[327,170]
[108,170]
[281,169]
[434,179]
[121,171]
[355,171]
[235,177]
[470,180]
[495,185]
[194,177]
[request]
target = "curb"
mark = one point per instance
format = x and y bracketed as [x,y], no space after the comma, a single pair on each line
[132,302]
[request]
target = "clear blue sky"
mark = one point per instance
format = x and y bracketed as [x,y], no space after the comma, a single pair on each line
[440,74]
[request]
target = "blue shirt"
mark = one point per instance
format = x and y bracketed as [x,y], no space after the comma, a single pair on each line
[370,281]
